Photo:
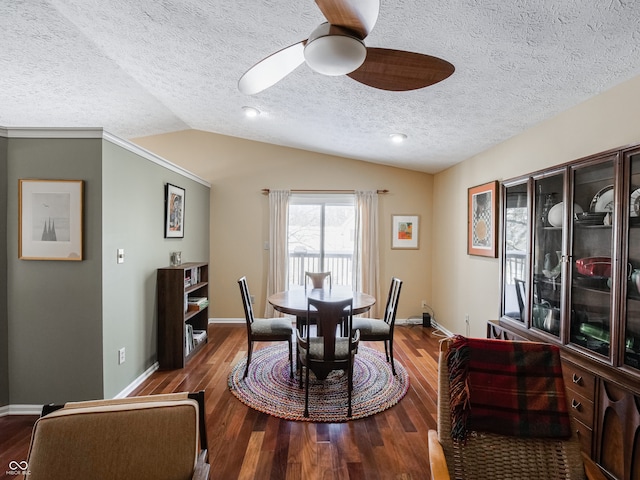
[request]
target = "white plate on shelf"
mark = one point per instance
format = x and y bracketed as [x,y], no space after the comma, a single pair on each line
[554,217]
[634,204]
[603,201]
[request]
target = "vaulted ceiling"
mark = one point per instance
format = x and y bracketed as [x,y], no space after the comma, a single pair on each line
[146,67]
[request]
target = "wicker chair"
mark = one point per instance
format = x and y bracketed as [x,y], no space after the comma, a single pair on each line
[495,457]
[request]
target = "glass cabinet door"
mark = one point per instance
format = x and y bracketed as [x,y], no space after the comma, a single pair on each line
[548,241]
[632,317]
[591,255]
[515,241]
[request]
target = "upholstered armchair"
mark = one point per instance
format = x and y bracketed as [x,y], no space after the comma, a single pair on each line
[160,437]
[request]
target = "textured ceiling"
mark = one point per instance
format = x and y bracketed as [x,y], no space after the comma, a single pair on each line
[146,67]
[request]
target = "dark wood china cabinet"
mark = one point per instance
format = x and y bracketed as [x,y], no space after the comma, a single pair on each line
[570,258]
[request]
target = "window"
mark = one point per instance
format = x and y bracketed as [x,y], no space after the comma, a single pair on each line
[320,237]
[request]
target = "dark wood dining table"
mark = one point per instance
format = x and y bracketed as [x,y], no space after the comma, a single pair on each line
[294,302]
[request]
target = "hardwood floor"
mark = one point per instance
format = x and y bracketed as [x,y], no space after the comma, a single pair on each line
[247,444]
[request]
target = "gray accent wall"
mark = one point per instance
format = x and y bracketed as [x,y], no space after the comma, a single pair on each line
[62,322]
[133,219]
[54,307]
[4,329]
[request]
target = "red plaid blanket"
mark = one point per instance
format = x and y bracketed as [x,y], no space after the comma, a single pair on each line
[505,387]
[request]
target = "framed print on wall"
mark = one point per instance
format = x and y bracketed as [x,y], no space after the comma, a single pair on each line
[173,212]
[482,219]
[50,219]
[404,231]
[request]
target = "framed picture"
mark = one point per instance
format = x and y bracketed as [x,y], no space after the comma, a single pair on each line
[404,231]
[482,219]
[173,212]
[50,219]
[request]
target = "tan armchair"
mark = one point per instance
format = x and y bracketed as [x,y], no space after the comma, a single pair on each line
[160,437]
[495,456]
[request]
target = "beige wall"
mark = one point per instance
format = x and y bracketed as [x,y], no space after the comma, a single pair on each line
[470,285]
[454,283]
[239,169]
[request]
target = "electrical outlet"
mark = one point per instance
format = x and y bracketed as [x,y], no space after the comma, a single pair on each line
[252,298]
[121,356]
[424,304]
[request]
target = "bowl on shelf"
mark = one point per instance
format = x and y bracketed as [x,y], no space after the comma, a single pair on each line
[594,266]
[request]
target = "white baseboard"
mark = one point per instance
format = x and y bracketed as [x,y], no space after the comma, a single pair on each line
[37,409]
[20,410]
[138,381]
[227,320]
[437,326]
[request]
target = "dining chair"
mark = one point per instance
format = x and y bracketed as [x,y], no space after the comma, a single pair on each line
[381,330]
[503,414]
[264,329]
[520,289]
[329,352]
[317,279]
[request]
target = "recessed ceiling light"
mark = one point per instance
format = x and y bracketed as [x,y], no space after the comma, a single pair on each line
[398,137]
[251,112]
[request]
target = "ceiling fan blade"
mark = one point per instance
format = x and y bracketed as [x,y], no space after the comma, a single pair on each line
[398,70]
[272,69]
[359,16]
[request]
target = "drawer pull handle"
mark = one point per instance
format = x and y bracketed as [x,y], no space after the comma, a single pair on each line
[575,404]
[576,379]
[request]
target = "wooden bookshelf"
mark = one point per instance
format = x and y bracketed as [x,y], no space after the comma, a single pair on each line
[177,317]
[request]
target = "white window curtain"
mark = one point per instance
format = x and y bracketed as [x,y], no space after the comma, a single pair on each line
[278,254]
[366,271]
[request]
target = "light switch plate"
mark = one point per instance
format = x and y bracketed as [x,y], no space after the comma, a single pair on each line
[120,255]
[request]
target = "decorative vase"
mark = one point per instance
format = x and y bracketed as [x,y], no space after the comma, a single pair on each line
[549,270]
[635,279]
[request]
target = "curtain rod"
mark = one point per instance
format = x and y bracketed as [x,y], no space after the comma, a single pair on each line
[265,191]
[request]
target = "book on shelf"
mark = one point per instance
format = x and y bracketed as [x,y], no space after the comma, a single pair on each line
[188,339]
[197,303]
[199,336]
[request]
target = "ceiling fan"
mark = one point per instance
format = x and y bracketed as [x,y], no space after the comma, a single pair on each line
[336,48]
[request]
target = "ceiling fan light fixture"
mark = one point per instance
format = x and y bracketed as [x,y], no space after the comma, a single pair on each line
[250,112]
[397,137]
[333,51]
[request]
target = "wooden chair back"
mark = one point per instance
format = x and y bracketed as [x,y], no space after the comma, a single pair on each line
[317,279]
[246,302]
[392,302]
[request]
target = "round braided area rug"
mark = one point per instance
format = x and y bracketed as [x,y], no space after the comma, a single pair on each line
[269,389]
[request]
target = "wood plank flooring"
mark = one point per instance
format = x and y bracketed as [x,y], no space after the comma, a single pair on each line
[247,444]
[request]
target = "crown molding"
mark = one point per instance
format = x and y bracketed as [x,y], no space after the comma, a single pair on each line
[99,133]
[152,157]
[31,132]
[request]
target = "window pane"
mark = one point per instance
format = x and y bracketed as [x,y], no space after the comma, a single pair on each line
[516,232]
[321,237]
[304,241]
[339,242]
